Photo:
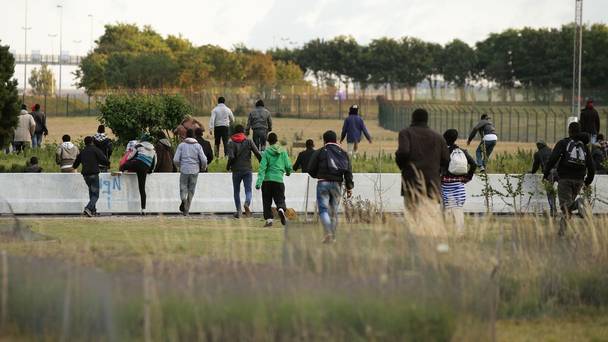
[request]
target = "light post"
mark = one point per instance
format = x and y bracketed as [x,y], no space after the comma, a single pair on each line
[577,55]
[25,29]
[60,7]
[91,33]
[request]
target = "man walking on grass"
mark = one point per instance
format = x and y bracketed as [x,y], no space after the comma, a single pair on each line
[239,162]
[332,167]
[91,158]
[590,121]
[219,124]
[304,157]
[190,159]
[275,163]
[260,122]
[574,168]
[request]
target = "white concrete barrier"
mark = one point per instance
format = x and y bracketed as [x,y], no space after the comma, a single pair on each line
[57,193]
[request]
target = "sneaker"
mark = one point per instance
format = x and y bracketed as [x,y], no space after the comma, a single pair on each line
[268,223]
[88,212]
[181,207]
[327,239]
[482,169]
[282,216]
[236,215]
[247,210]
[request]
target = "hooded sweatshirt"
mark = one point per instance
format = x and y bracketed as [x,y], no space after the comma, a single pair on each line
[275,162]
[239,153]
[66,154]
[144,152]
[566,170]
[26,126]
[190,157]
[104,143]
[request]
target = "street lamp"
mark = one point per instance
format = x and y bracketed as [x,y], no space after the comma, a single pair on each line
[25,29]
[60,7]
[91,32]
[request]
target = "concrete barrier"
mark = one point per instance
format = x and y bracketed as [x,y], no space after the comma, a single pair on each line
[57,193]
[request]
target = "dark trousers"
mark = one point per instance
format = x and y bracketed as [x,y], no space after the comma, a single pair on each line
[221,134]
[141,169]
[93,185]
[567,191]
[272,191]
[259,138]
[19,146]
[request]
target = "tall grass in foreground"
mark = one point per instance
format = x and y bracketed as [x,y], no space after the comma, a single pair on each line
[410,278]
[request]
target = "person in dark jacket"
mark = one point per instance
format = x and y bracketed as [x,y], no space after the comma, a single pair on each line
[330,180]
[353,129]
[164,154]
[574,168]
[206,145]
[590,121]
[488,136]
[304,157]
[239,162]
[541,159]
[421,154]
[32,166]
[41,129]
[91,158]
[104,143]
[260,122]
[453,192]
[599,159]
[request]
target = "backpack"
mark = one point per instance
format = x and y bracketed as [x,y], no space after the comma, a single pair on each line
[459,165]
[575,154]
[337,161]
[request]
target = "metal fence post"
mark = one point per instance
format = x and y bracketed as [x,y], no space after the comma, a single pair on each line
[67,104]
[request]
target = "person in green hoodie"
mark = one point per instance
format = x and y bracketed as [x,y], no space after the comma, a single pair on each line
[275,163]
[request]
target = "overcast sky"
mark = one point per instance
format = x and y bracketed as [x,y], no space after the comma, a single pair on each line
[265,23]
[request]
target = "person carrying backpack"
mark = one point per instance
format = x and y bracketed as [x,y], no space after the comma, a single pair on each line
[460,170]
[574,168]
[275,163]
[332,167]
[488,136]
[142,161]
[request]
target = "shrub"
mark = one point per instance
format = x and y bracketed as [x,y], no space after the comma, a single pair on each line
[131,115]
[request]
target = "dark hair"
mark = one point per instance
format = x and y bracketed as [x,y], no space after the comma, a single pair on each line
[101,129]
[483,116]
[88,140]
[65,138]
[239,129]
[272,138]
[33,160]
[450,136]
[160,135]
[420,115]
[259,103]
[221,99]
[310,143]
[574,128]
[330,137]
[353,110]
[198,132]
[23,106]
[189,133]
[37,107]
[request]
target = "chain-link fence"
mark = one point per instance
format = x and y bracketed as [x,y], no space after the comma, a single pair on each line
[514,122]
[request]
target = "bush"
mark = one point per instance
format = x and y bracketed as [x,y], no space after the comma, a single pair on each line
[131,115]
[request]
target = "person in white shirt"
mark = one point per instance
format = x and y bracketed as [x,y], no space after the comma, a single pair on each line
[219,124]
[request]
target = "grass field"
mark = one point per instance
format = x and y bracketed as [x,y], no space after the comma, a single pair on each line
[210,278]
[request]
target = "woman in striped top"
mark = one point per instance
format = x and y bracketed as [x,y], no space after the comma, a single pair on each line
[453,191]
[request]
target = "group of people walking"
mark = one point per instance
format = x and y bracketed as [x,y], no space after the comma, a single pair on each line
[30,129]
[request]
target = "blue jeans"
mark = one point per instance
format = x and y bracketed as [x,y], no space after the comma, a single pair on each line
[36,140]
[484,150]
[328,200]
[246,178]
[93,184]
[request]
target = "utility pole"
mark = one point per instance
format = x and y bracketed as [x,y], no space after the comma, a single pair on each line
[25,29]
[577,62]
[60,7]
[91,33]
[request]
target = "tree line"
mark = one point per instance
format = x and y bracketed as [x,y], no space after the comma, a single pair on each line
[539,60]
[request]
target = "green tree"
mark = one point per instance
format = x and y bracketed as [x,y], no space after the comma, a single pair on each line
[458,61]
[42,81]
[385,58]
[414,63]
[9,100]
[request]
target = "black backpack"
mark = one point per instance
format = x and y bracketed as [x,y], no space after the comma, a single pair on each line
[575,154]
[337,161]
